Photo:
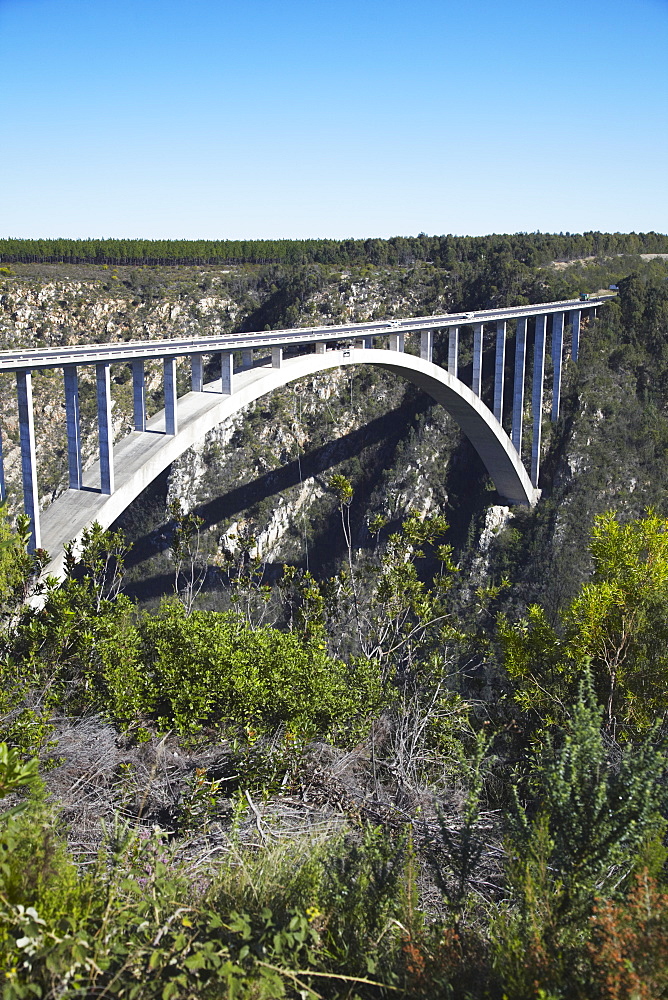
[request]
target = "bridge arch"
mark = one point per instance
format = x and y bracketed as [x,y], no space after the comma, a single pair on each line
[141,456]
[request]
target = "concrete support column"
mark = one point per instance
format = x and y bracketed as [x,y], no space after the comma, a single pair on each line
[397,341]
[321,347]
[453,350]
[477,359]
[246,358]
[557,360]
[227,373]
[104,428]
[139,394]
[574,317]
[368,342]
[197,372]
[28,457]
[518,382]
[171,402]
[73,426]
[426,345]
[277,357]
[499,368]
[537,395]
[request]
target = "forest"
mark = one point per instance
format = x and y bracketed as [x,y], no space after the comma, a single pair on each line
[388,778]
[533,249]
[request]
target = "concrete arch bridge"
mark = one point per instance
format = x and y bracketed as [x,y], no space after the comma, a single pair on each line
[270,360]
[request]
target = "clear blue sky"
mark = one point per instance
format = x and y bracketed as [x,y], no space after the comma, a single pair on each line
[313,118]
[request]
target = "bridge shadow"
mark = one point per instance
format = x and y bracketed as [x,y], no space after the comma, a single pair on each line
[234,502]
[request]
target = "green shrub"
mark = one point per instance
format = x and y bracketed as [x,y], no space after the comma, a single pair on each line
[211,668]
[141,927]
[579,837]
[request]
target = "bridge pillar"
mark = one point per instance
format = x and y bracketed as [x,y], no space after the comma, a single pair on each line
[73,426]
[361,343]
[499,368]
[227,373]
[139,394]
[321,347]
[453,350]
[537,395]
[104,427]
[557,361]
[170,391]
[28,457]
[477,358]
[574,317]
[518,383]
[397,341]
[246,358]
[277,357]
[197,372]
[427,345]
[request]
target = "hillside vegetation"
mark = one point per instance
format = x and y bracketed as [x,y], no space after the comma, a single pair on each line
[410,744]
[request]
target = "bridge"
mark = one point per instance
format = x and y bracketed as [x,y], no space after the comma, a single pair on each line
[268,360]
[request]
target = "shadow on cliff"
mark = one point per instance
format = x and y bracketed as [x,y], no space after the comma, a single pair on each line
[385,431]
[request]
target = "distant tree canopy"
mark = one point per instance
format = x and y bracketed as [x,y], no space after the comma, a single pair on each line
[532,249]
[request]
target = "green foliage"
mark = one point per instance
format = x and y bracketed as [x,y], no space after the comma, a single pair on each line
[77,648]
[342,490]
[209,668]
[19,569]
[456,856]
[244,570]
[22,723]
[397,618]
[617,624]
[361,890]
[330,922]
[190,672]
[405,611]
[577,838]
[185,671]
[598,816]
[527,248]
[145,934]
[137,926]
[99,563]
[35,869]
[13,772]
